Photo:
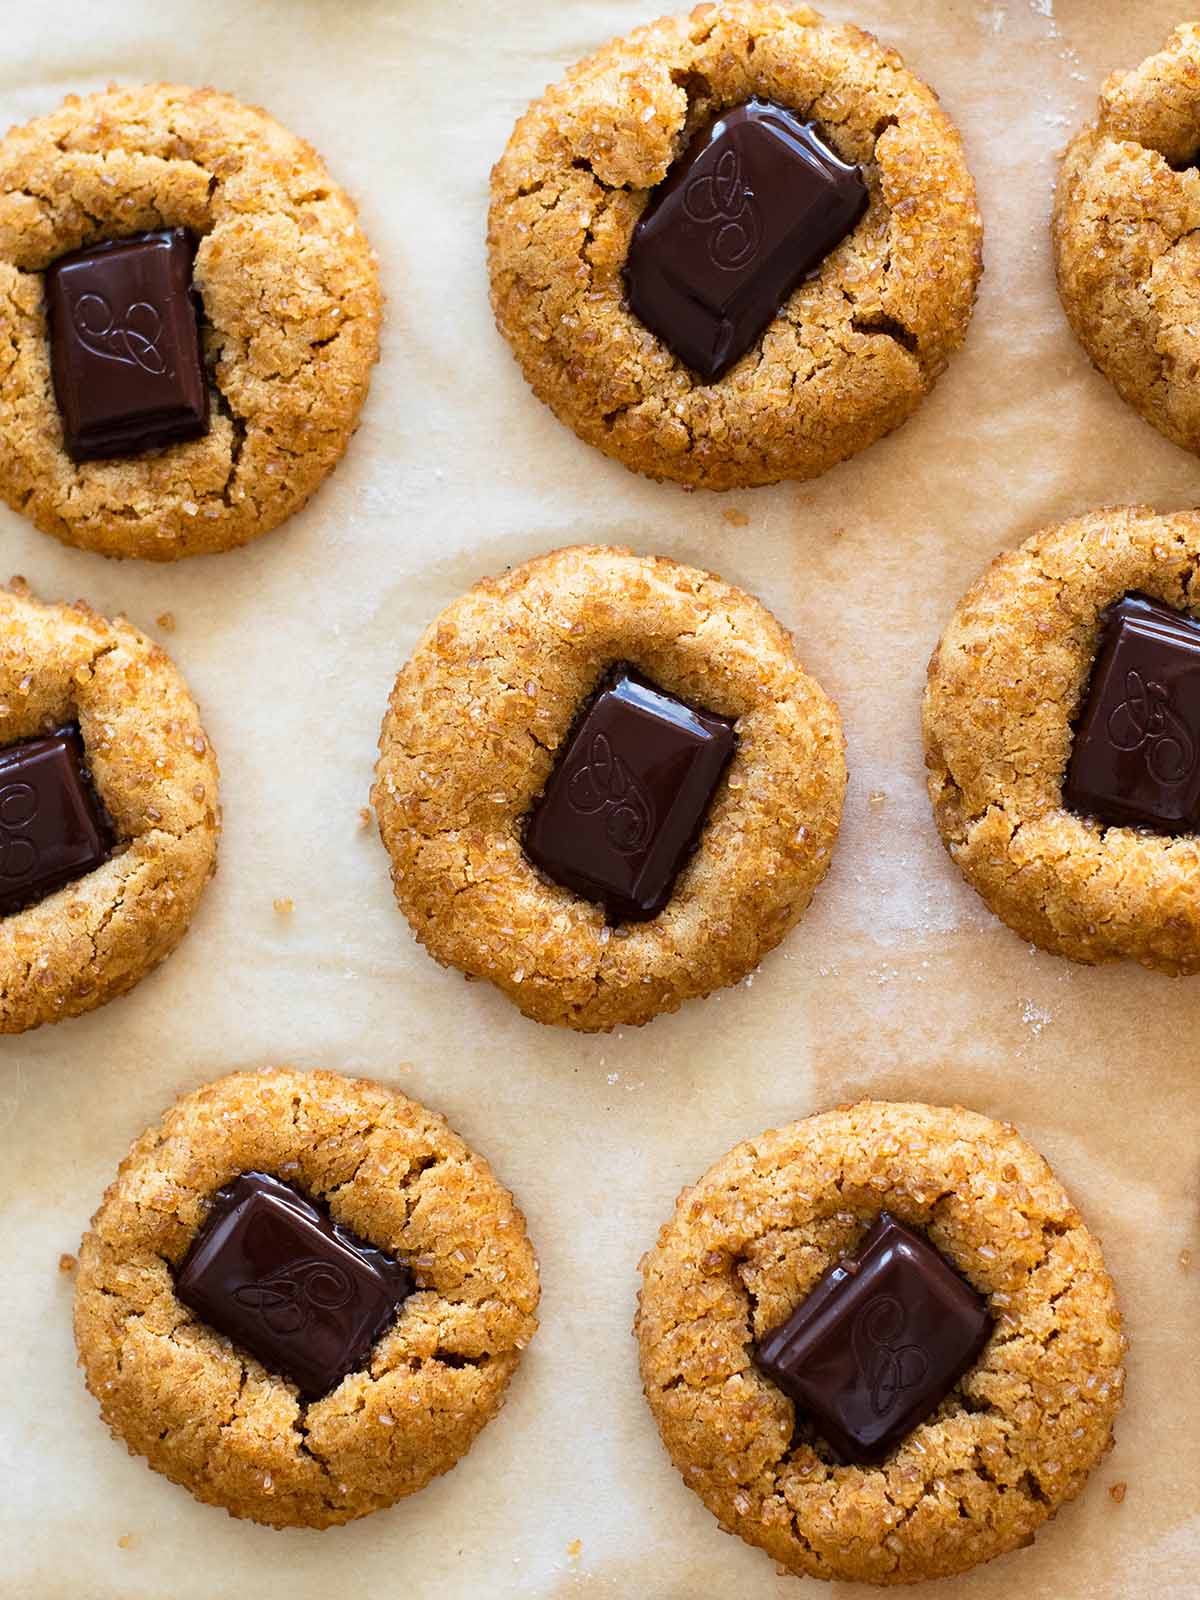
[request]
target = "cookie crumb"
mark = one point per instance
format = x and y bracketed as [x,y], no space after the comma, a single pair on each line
[166,621]
[126,1541]
[67,1263]
[575,1549]
[364,816]
[735,518]
[1185,1259]
[877,799]
[284,907]
[1116,1491]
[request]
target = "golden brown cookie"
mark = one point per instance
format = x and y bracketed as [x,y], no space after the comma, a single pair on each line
[1127,236]
[1014,1439]
[156,776]
[477,721]
[853,350]
[1006,686]
[211,1417]
[290,325]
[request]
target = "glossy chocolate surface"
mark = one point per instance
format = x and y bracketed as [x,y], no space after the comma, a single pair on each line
[756,202]
[271,1271]
[125,345]
[52,826]
[878,1344]
[626,802]
[1136,757]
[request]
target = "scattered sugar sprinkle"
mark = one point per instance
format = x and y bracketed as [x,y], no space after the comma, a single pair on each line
[284,907]
[387,1419]
[1035,1017]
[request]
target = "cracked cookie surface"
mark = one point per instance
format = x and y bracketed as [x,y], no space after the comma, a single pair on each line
[1127,236]
[853,350]
[290,327]
[1013,1440]
[213,1419]
[472,732]
[1005,685]
[156,774]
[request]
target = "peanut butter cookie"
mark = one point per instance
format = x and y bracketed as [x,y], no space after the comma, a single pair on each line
[736,246]
[837,1258]
[1062,737]
[100,357]
[606,785]
[108,809]
[1127,236]
[366,1290]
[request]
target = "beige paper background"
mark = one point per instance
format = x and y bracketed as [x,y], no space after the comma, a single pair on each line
[897,984]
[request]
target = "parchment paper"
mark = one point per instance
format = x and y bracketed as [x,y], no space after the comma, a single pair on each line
[897,984]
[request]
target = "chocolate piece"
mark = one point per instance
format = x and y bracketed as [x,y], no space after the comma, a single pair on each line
[1135,758]
[756,201]
[878,1344]
[125,345]
[277,1276]
[52,826]
[627,801]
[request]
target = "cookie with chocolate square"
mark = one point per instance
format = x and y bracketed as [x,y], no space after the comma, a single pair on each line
[1126,247]
[109,814]
[302,1297]
[1062,738]
[880,1343]
[606,785]
[190,313]
[735,246]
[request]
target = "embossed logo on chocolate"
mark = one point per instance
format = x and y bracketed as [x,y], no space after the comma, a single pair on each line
[1146,720]
[720,201]
[603,782]
[132,339]
[888,1367]
[287,1299]
[19,856]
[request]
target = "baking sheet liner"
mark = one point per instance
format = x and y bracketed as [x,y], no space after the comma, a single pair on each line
[897,984]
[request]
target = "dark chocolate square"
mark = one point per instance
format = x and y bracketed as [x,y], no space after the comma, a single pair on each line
[878,1344]
[272,1272]
[1134,760]
[52,826]
[627,800]
[125,345]
[757,201]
